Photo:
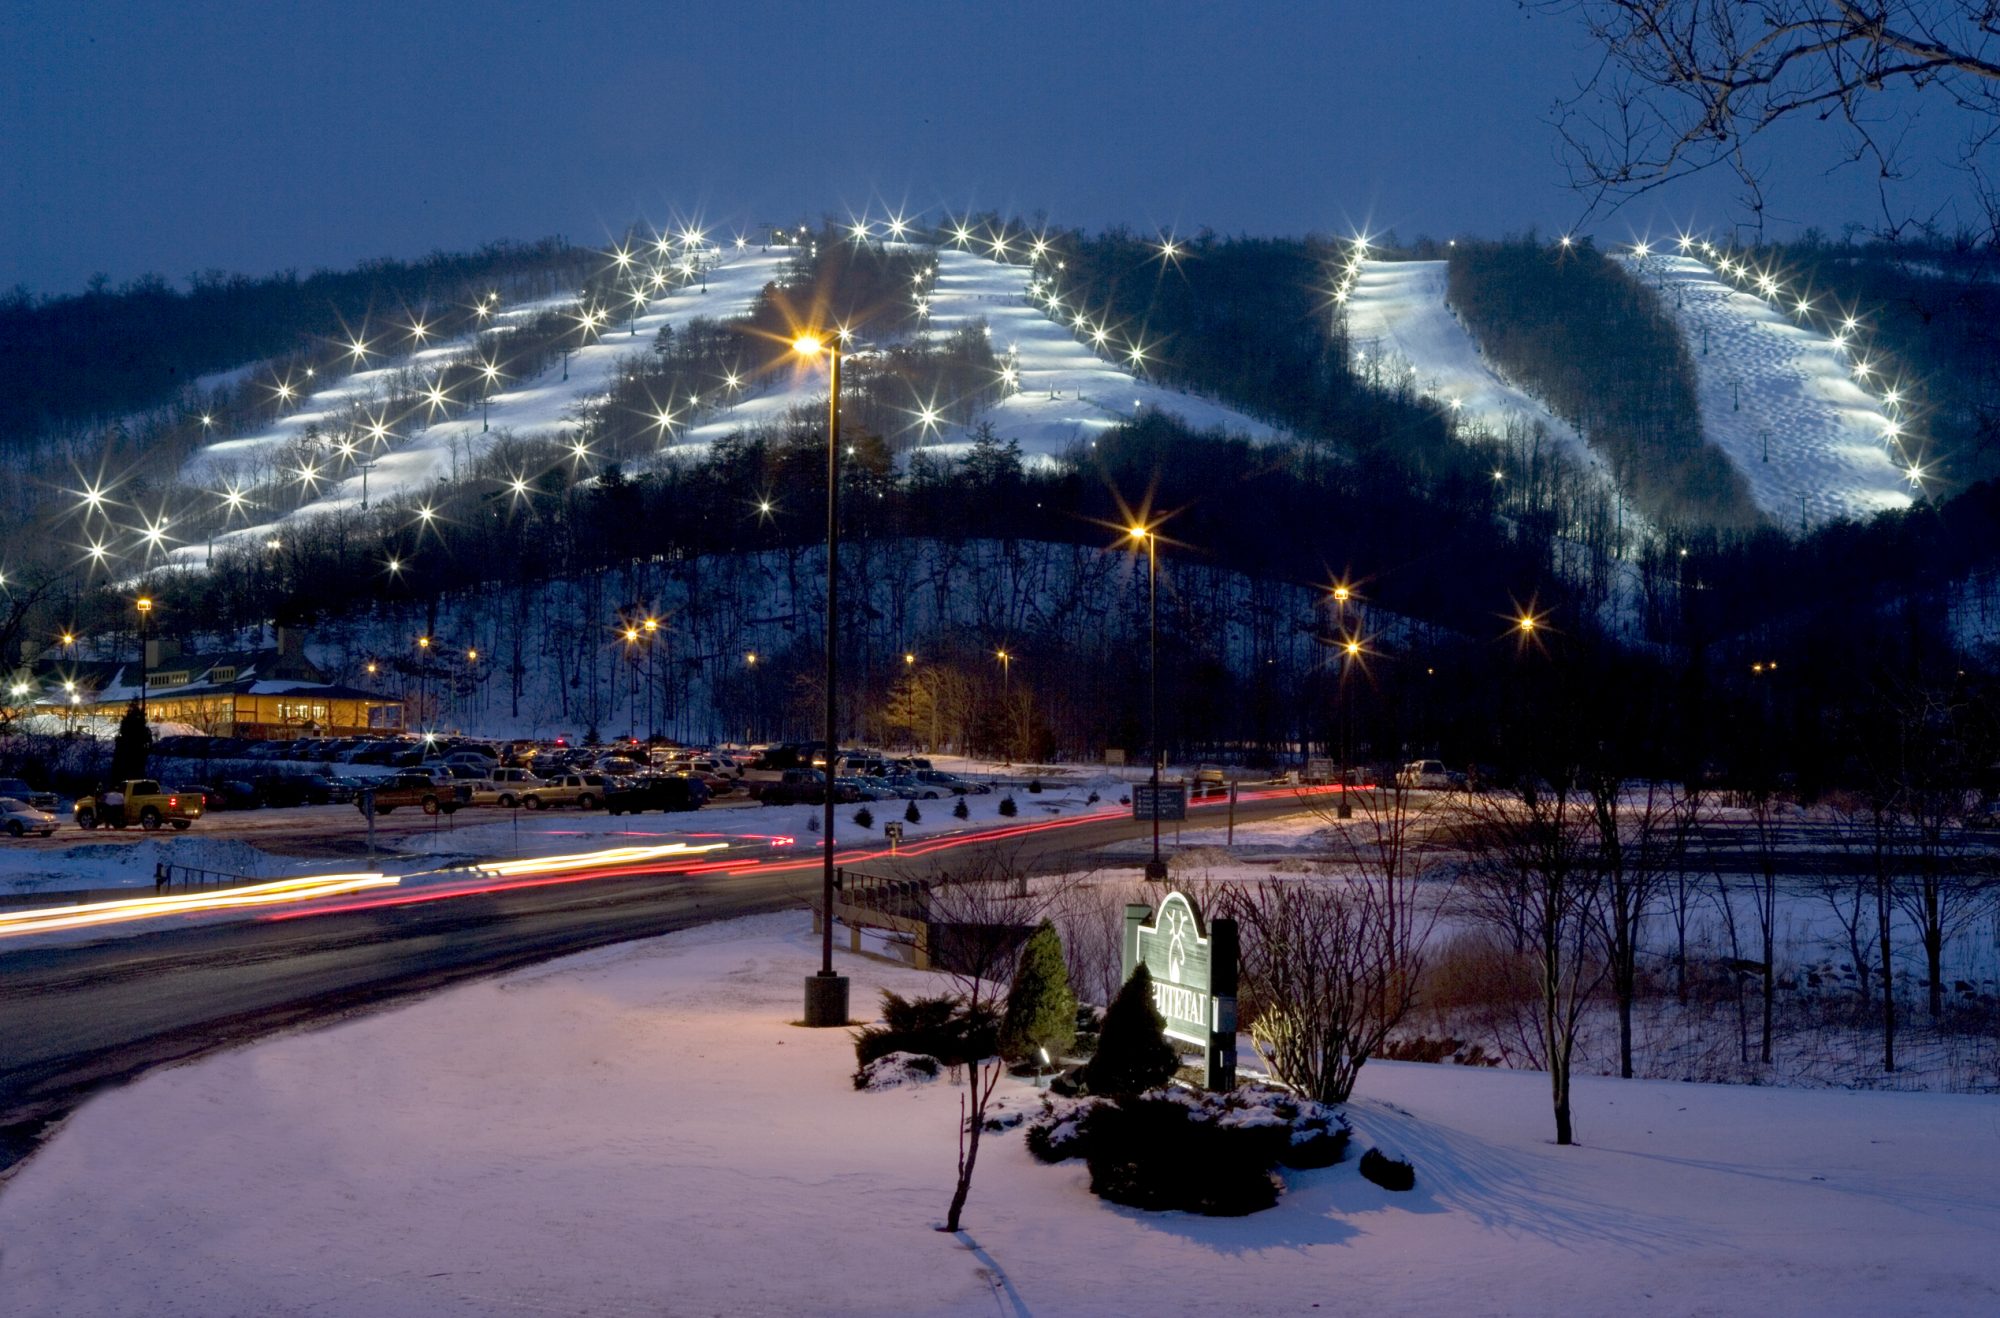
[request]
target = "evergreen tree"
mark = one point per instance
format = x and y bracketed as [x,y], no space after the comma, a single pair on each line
[961,810]
[1132,1053]
[1041,1009]
[133,747]
[914,815]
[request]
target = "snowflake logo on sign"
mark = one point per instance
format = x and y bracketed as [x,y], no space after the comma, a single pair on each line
[1177,925]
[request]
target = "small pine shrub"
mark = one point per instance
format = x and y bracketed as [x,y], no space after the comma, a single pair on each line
[1008,808]
[1035,786]
[914,815]
[896,1071]
[1132,1054]
[812,823]
[864,818]
[1389,1173]
[1061,1130]
[937,1027]
[1092,799]
[961,810]
[1041,1009]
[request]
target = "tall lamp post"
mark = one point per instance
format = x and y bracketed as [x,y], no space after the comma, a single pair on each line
[1344,809]
[826,992]
[652,626]
[145,605]
[1156,868]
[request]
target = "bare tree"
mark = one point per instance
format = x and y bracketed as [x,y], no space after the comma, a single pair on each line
[1327,970]
[1636,836]
[1533,876]
[1689,86]
[979,918]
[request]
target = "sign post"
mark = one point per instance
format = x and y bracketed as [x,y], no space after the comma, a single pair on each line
[894,832]
[1194,979]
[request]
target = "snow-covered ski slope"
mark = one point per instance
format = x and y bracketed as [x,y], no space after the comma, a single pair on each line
[545,405]
[1397,316]
[1067,392]
[1764,380]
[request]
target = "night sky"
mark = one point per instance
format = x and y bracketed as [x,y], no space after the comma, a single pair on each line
[251,137]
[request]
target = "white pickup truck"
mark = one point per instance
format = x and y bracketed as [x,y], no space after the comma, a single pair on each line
[1429,776]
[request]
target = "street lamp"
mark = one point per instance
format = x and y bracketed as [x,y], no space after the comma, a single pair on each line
[1342,593]
[652,628]
[826,992]
[1156,868]
[145,605]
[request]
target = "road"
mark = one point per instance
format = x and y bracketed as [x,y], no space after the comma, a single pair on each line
[79,1017]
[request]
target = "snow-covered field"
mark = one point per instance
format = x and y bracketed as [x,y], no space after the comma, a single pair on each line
[1764,379]
[1397,317]
[642,1130]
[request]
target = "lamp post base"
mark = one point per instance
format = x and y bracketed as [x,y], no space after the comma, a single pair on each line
[826,1000]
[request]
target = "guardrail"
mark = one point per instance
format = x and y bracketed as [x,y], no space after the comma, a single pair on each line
[167,877]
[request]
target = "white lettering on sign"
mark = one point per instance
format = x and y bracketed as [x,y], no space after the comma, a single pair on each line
[1183,1005]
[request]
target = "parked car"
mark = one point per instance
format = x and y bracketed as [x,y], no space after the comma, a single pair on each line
[505,786]
[17,790]
[415,789]
[794,787]
[1429,776]
[659,792]
[18,818]
[585,791]
[863,789]
[953,783]
[912,788]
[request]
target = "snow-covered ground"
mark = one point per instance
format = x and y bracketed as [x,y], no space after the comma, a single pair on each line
[1764,379]
[1397,317]
[641,1129]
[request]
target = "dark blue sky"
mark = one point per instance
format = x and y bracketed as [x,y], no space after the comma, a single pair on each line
[166,137]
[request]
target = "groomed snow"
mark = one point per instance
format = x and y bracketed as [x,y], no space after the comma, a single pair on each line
[1068,393]
[1762,376]
[1397,316]
[640,1130]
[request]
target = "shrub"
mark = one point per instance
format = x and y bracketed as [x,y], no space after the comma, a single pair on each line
[1162,1151]
[914,815]
[961,810]
[1092,799]
[864,818]
[1059,1130]
[895,1070]
[1041,1009]
[1132,1054]
[1389,1173]
[1008,808]
[939,1027]
[1035,785]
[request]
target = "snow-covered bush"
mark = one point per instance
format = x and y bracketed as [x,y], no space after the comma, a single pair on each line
[1057,1131]
[913,815]
[1008,808]
[1035,786]
[1389,1173]
[897,1070]
[864,818]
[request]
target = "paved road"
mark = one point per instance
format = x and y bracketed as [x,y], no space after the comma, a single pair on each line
[75,1018]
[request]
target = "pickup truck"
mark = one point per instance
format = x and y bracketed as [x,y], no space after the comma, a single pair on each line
[1429,776]
[18,790]
[585,791]
[418,789]
[146,804]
